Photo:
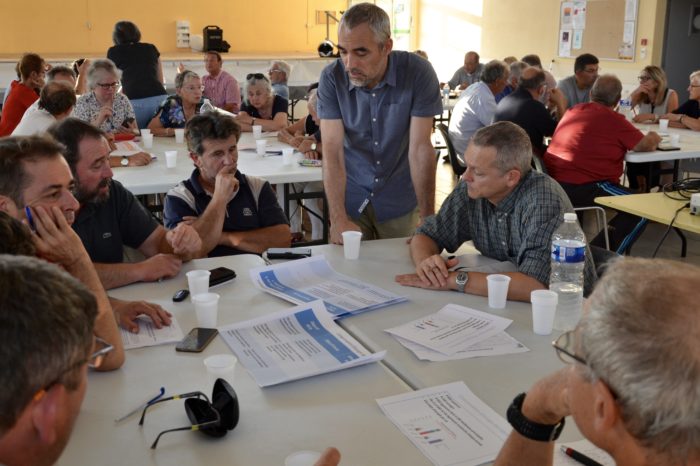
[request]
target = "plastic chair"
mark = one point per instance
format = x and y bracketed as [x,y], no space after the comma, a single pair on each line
[455,161]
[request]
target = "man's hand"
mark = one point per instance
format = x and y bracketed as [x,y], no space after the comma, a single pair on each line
[339,226]
[226,184]
[55,240]
[184,240]
[547,402]
[128,311]
[330,457]
[159,266]
[433,270]
[412,279]
[181,68]
[140,159]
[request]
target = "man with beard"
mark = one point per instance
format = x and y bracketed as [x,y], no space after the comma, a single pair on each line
[110,217]
[376,108]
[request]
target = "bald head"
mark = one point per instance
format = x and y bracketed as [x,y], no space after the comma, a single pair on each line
[607,90]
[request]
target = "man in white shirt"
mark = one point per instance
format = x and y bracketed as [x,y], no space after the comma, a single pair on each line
[56,102]
[477,105]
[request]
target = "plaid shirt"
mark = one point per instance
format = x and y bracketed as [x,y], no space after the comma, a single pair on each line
[519,229]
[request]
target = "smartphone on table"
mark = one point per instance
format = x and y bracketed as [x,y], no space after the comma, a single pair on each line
[288,253]
[196,340]
[220,275]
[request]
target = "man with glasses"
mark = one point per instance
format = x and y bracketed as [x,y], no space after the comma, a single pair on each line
[220,87]
[279,75]
[577,88]
[632,383]
[46,326]
[376,108]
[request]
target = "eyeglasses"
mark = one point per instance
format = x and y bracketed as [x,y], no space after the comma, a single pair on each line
[193,88]
[211,414]
[643,79]
[591,70]
[275,71]
[565,351]
[107,86]
[694,85]
[255,76]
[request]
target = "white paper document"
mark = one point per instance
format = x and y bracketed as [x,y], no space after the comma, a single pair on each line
[499,344]
[451,329]
[149,335]
[305,280]
[582,446]
[299,342]
[448,424]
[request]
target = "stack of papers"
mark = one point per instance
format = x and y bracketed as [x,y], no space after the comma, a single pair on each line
[149,335]
[457,332]
[305,280]
[299,342]
[448,424]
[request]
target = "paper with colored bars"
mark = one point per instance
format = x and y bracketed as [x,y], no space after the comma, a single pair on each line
[448,424]
[295,343]
[305,280]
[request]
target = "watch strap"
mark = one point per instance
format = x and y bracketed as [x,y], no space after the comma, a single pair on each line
[531,429]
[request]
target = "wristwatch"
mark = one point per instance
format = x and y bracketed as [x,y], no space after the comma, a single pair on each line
[313,146]
[530,429]
[462,279]
[125,161]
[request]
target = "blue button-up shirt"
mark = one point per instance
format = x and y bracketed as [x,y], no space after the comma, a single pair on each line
[377,124]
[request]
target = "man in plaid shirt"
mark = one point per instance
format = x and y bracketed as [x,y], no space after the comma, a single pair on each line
[509,212]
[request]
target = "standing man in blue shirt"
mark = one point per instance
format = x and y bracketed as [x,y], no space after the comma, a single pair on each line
[376,108]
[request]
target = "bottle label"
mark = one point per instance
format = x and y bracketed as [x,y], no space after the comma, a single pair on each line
[569,255]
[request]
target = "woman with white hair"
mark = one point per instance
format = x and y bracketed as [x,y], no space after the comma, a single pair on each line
[261,106]
[177,109]
[103,106]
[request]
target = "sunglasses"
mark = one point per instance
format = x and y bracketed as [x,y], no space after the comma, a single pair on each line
[255,76]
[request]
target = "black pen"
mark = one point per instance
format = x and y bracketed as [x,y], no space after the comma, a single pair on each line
[580,457]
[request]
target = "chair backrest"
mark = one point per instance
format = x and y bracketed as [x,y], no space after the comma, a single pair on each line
[457,167]
[538,163]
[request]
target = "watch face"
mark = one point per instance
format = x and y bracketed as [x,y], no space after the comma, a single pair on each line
[313,146]
[125,162]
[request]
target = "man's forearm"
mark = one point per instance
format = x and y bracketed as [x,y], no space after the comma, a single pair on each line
[258,240]
[209,225]
[422,247]
[422,161]
[519,288]
[119,274]
[334,182]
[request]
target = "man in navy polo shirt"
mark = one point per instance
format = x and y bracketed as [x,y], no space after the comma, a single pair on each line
[232,212]
[376,108]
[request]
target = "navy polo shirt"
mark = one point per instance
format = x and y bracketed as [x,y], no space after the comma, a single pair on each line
[377,123]
[253,206]
[528,113]
[106,227]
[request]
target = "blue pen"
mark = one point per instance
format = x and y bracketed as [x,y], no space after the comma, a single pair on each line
[30,219]
[142,406]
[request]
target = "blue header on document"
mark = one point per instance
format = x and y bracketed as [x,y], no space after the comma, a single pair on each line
[270,279]
[323,337]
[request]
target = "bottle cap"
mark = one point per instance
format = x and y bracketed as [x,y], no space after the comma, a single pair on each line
[569,217]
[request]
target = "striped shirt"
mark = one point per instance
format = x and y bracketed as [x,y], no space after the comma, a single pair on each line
[518,230]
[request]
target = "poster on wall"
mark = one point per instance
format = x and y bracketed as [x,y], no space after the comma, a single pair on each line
[567,12]
[579,15]
[577,41]
[565,42]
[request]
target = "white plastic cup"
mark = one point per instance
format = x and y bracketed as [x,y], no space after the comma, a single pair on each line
[257,131]
[351,244]
[287,156]
[302,458]
[260,146]
[147,140]
[206,305]
[170,158]
[198,281]
[145,131]
[498,290]
[220,366]
[179,135]
[675,140]
[544,307]
[663,125]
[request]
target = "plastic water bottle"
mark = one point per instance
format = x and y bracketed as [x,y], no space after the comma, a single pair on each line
[566,279]
[625,107]
[445,94]
[206,107]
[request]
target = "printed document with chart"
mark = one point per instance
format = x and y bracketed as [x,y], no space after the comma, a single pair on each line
[295,343]
[304,280]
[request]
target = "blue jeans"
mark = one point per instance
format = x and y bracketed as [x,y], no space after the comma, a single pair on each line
[145,109]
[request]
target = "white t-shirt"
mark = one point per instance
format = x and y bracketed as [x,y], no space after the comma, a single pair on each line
[474,110]
[34,121]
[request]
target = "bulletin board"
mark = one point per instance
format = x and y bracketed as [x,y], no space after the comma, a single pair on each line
[605,28]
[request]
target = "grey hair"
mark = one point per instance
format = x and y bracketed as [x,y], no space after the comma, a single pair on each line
[376,18]
[493,71]
[537,78]
[284,67]
[98,67]
[313,98]
[606,90]
[180,78]
[46,326]
[264,82]
[640,337]
[694,75]
[516,69]
[512,144]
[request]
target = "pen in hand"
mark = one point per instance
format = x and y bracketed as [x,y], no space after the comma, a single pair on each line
[143,405]
[580,457]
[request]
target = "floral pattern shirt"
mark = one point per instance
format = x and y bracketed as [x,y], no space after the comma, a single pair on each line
[87,107]
[172,113]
